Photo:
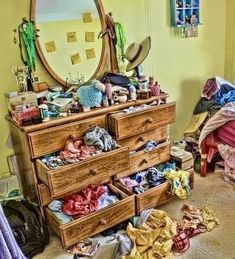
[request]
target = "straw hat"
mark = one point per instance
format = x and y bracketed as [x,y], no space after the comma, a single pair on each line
[137,52]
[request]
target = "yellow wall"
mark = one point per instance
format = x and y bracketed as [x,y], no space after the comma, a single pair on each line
[180,65]
[230,42]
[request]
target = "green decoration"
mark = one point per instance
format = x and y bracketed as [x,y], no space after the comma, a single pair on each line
[121,39]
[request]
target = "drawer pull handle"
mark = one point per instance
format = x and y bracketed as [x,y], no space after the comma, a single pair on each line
[103,222]
[93,172]
[142,139]
[149,120]
[145,161]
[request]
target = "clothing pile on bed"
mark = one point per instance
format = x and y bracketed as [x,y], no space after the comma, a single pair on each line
[218,100]
[77,205]
[142,181]
[95,141]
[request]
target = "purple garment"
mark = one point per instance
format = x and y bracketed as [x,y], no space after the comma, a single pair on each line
[9,249]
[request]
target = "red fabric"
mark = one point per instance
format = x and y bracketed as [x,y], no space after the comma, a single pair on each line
[84,202]
[226,133]
[181,242]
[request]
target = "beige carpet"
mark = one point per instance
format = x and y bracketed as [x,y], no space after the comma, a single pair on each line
[211,191]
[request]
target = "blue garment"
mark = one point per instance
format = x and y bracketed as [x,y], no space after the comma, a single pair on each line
[9,248]
[56,207]
[224,89]
[228,98]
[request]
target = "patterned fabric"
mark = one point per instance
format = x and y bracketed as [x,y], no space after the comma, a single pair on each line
[181,242]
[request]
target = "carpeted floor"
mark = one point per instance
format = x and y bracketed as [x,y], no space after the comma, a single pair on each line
[211,191]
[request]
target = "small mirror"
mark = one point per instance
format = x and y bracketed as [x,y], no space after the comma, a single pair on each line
[68,43]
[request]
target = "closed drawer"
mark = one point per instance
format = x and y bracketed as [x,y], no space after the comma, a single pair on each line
[124,125]
[79,175]
[137,141]
[49,140]
[151,198]
[90,225]
[142,160]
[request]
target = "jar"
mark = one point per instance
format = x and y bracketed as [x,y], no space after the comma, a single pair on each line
[122,98]
[44,112]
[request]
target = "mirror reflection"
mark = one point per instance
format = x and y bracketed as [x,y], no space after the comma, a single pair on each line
[68,37]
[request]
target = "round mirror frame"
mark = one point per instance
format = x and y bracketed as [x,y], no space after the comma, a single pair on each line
[101,68]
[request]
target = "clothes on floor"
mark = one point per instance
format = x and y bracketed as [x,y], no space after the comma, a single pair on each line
[123,246]
[154,237]
[9,248]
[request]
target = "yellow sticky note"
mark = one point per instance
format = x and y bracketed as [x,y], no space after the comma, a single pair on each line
[75,58]
[50,46]
[90,53]
[72,36]
[89,36]
[87,17]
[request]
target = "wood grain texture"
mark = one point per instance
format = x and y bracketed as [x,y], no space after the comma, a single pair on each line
[142,160]
[44,195]
[53,139]
[135,142]
[79,175]
[92,224]
[124,125]
[153,197]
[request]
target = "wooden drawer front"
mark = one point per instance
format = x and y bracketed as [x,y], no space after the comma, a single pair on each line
[142,160]
[44,195]
[153,197]
[46,141]
[136,142]
[126,125]
[90,225]
[79,175]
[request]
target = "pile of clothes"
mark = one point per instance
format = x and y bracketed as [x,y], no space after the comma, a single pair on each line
[95,141]
[142,181]
[157,235]
[77,205]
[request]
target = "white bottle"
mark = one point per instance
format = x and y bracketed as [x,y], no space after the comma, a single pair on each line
[44,112]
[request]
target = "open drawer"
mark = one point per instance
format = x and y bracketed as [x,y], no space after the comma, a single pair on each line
[151,198]
[124,125]
[135,142]
[90,225]
[142,160]
[77,176]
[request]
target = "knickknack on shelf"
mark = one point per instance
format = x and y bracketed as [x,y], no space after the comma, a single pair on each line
[186,17]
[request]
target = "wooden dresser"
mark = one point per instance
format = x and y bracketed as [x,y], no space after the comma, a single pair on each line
[131,130]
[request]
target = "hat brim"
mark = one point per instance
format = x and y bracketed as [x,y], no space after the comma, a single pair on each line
[146,45]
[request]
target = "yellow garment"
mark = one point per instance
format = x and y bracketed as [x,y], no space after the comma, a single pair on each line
[179,182]
[154,238]
[210,220]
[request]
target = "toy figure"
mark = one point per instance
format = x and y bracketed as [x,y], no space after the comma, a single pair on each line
[90,96]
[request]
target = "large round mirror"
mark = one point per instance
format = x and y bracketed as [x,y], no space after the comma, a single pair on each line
[68,43]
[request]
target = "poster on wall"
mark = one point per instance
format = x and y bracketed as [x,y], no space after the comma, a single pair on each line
[72,36]
[89,36]
[87,18]
[50,46]
[90,53]
[75,58]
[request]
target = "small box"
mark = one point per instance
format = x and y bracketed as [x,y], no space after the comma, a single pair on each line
[20,99]
[143,94]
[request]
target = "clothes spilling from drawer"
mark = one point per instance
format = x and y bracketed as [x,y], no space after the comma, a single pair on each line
[95,141]
[142,181]
[74,206]
[182,158]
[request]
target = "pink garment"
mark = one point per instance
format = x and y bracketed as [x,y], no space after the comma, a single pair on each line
[228,154]
[128,182]
[226,133]
[212,86]
[223,116]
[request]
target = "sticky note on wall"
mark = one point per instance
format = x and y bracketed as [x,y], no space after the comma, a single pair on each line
[72,36]
[89,36]
[87,17]
[90,53]
[50,46]
[75,58]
